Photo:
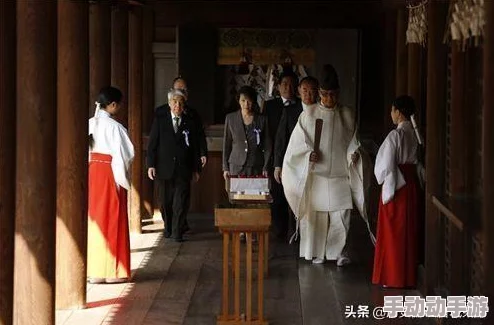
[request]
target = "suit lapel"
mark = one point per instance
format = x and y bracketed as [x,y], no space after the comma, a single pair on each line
[169,122]
[240,125]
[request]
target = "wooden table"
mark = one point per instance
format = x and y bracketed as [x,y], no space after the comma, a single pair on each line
[232,219]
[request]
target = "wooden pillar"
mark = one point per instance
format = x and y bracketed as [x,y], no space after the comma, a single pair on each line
[401,53]
[120,58]
[135,115]
[388,67]
[7,158]
[488,154]
[458,135]
[414,75]
[72,146]
[34,261]
[435,151]
[99,50]
[147,103]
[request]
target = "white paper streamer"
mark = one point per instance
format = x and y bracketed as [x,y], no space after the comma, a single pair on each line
[417,133]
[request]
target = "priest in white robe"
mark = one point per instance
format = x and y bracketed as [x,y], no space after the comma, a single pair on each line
[322,185]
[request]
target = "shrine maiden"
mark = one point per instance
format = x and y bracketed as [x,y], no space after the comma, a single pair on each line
[110,155]
[395,260]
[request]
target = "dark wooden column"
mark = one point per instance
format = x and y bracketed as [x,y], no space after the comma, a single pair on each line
[401,53]
[414,67]
[488,154]
[135,115]
[435,151]
[459,136]
[388,33]
[72,146]
[120,58]
[34,261]
[7,158]
[147,102]
[99,50]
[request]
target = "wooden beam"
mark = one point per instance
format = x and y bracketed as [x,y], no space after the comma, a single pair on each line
[34,261]
[135,115]
[7,158]
[488,155]
[271,14]
[72,148]
[99,51]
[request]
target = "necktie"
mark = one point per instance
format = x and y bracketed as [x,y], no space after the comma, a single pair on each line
[175,123]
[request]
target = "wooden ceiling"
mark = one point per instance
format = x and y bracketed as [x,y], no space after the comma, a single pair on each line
[271,14]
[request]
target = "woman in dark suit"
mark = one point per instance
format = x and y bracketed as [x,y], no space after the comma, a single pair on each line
[246,141]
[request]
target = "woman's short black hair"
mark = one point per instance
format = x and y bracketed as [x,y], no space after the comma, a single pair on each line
[247,91]
[250,93]
[108,95]
[405,104]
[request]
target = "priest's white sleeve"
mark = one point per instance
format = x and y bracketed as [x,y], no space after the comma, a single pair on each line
[296,168]
[122,156]
[359,175]
[386,169]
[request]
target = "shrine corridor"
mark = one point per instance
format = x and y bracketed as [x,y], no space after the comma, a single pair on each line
[180,283]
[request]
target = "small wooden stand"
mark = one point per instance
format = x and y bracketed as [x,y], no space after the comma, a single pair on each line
[233,219]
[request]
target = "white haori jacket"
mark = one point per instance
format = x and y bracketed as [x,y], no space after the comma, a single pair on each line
[333,183]
[399,147]
[111,138]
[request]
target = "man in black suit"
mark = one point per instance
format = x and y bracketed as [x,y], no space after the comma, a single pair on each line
[307,89]
[273,109]
[181,84]
[173,159]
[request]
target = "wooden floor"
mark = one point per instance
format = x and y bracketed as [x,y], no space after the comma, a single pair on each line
[180,283]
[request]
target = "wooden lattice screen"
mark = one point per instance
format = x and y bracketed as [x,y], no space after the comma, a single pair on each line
[470,237]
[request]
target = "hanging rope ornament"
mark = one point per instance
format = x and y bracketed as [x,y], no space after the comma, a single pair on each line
[417,23]
[466,21]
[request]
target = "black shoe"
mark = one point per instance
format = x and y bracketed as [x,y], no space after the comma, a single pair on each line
[167,234]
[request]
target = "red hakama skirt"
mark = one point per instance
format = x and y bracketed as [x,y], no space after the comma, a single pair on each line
[108,228]
[395,259]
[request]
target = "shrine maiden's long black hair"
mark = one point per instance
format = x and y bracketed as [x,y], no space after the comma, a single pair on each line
[106,96]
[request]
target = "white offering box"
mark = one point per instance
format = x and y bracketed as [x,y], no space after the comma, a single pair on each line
[248,188]
[248,185]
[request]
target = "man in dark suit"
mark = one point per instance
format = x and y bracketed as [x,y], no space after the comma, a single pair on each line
[180,83]
[273,109]
[173,159]
[307,89]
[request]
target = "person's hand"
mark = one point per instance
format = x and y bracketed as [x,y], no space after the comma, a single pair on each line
[196,176]
[314,157]
[265,173]
[226,174]
[152,173]
[355,156]
[204,160]
[277,174]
